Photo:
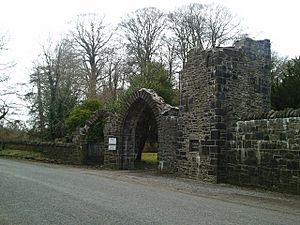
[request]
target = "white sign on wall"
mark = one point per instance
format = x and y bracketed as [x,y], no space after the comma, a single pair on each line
[112,147]
[112,144]
[112,141]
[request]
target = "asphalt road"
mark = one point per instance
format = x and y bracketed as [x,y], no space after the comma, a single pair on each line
[37,193]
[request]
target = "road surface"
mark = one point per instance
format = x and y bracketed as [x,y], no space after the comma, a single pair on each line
[39,193]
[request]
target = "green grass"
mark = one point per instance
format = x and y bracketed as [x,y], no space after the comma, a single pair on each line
[22,154]
[150,158]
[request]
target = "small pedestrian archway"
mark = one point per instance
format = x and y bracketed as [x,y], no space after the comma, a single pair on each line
[140,124]
[92,151]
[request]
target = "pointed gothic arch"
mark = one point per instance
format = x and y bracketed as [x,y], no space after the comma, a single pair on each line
[140,119]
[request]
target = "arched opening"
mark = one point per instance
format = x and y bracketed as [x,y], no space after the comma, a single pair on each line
[92,138]
[95,143]
[140,136]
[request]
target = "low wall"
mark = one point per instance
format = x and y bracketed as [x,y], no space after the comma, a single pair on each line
[266,153]
[60,152]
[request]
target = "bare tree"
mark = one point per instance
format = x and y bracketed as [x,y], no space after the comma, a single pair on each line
[90,37]
[187,24]
[221,25]
[169,58]
[279,66]
[201,26]
[143,31]
[2,42]
[3,109]
[37,99]
[56,88]
[116,73]
[4,90]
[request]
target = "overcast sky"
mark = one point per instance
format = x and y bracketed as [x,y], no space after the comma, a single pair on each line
[29,23]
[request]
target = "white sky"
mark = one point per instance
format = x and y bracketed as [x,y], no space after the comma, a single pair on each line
[29,23]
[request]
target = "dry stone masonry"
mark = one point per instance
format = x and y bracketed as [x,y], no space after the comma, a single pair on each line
[265,153]
[219,86]
[223,130]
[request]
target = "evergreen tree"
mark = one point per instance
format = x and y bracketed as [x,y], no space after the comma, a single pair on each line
[153,76]
[286,91]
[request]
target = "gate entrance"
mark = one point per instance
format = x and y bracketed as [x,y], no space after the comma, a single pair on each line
[140,128]
[145,125]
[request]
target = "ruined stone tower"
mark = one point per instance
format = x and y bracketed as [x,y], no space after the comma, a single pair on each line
[219,87]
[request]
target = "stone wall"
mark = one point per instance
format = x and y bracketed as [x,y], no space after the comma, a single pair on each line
[266,153]
[218,87]
[112,158]
[58,152]
[194,119]
[167,140]
[242,87]
[139,109]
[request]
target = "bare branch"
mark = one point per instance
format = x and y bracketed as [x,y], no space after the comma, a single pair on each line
[143,31]
[90,37]
[202,26]
[4,88]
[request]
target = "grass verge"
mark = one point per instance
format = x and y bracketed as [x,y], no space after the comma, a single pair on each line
[149,158]
[22,154]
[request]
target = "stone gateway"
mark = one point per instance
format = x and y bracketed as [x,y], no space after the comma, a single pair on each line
[223,129]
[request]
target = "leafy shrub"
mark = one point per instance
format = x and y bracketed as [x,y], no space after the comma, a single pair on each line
[81,113]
